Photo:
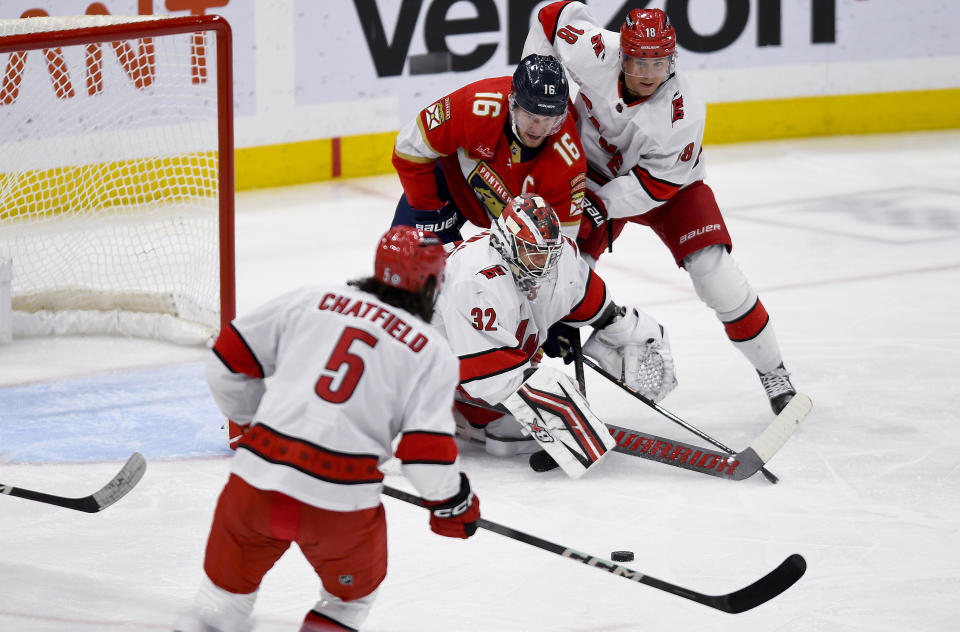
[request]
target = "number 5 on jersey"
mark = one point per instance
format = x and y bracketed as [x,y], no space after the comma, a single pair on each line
[341,356]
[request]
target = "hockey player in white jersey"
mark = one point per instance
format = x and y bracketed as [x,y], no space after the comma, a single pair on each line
[505,288]
[641,125]
[323,380]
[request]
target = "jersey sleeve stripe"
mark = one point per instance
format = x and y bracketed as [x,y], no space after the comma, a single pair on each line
[485,364]
[657,189]
[412,158]
[313,460]
[236,354]
[424,137]
[593,301]
[427,448]
[549,17]
[749,325]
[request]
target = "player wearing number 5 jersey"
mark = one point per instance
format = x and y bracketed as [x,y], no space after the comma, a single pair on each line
[324,380]
[469,153]
[642,125]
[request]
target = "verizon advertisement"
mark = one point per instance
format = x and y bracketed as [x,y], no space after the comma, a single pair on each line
[418,49]
[306,69]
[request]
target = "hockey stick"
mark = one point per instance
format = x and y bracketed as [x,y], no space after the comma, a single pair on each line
[125,480]
[734,467]
[578,362]
[757,593]
[772,438]
[646,446]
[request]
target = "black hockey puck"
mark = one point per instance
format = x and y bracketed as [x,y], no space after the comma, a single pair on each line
[622,556]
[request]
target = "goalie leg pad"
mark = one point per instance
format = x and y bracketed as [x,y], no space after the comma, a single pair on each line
[550,407]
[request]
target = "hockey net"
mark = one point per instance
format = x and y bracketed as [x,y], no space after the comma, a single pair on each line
[116,175]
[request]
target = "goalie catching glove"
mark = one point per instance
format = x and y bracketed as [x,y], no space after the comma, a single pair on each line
[457,516]
[635,348]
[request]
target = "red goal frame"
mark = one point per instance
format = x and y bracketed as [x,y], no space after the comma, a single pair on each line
[225,148]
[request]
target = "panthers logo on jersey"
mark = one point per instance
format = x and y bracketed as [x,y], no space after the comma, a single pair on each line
[489,188]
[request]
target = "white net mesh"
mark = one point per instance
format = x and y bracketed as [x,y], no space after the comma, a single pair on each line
[109,196]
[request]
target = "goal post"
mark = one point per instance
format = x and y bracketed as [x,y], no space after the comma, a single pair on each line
[116,175]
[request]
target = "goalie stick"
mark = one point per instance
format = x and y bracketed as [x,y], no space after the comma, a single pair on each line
[759,592]
[125,480]
[764,447]
[732,466]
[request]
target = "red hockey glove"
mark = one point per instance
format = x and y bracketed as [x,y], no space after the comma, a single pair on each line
[457,516]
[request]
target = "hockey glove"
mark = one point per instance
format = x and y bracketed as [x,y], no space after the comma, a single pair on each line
[635,348]
[558,345]
[442,222]
[457,516]
[593,209]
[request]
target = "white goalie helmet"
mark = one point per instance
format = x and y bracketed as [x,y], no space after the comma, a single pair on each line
[527,235]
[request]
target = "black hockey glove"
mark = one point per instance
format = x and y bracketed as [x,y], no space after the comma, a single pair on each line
[593,209]
[444,223]
[558,343]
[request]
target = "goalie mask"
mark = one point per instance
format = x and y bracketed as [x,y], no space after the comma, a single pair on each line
[527,236]
[407,258]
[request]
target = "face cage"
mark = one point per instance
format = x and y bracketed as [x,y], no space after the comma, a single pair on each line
[513,118]
[670,69]
[529,276]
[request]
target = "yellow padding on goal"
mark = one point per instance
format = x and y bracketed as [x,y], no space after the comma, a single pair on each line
[49,192]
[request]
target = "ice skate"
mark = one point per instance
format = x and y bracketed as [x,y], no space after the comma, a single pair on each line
[778,387]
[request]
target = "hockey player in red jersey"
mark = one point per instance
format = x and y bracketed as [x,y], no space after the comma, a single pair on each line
[469,153]
[505,287]
[324,380]
[641,125]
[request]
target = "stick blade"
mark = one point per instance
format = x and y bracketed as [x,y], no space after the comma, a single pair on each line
[777,433]
[125,480]
[765,588]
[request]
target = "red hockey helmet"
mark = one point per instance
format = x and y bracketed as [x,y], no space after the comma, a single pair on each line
[407,257]
[647,33]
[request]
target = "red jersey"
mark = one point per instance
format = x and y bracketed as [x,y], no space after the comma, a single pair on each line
[469,133]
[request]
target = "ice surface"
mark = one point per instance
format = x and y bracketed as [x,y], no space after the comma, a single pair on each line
[852,244]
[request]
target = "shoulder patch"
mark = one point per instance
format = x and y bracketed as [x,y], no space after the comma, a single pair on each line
[579,182]
[677,107]
[493,271]
[437,114]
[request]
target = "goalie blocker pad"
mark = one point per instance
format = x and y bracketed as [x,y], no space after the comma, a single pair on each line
[549,406]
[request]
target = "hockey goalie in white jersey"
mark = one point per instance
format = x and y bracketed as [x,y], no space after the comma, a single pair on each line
[505,288]
[641,125]
[325,381]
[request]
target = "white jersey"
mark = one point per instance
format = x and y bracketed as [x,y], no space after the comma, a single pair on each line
[495,328]
[327,378]
[639,153]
